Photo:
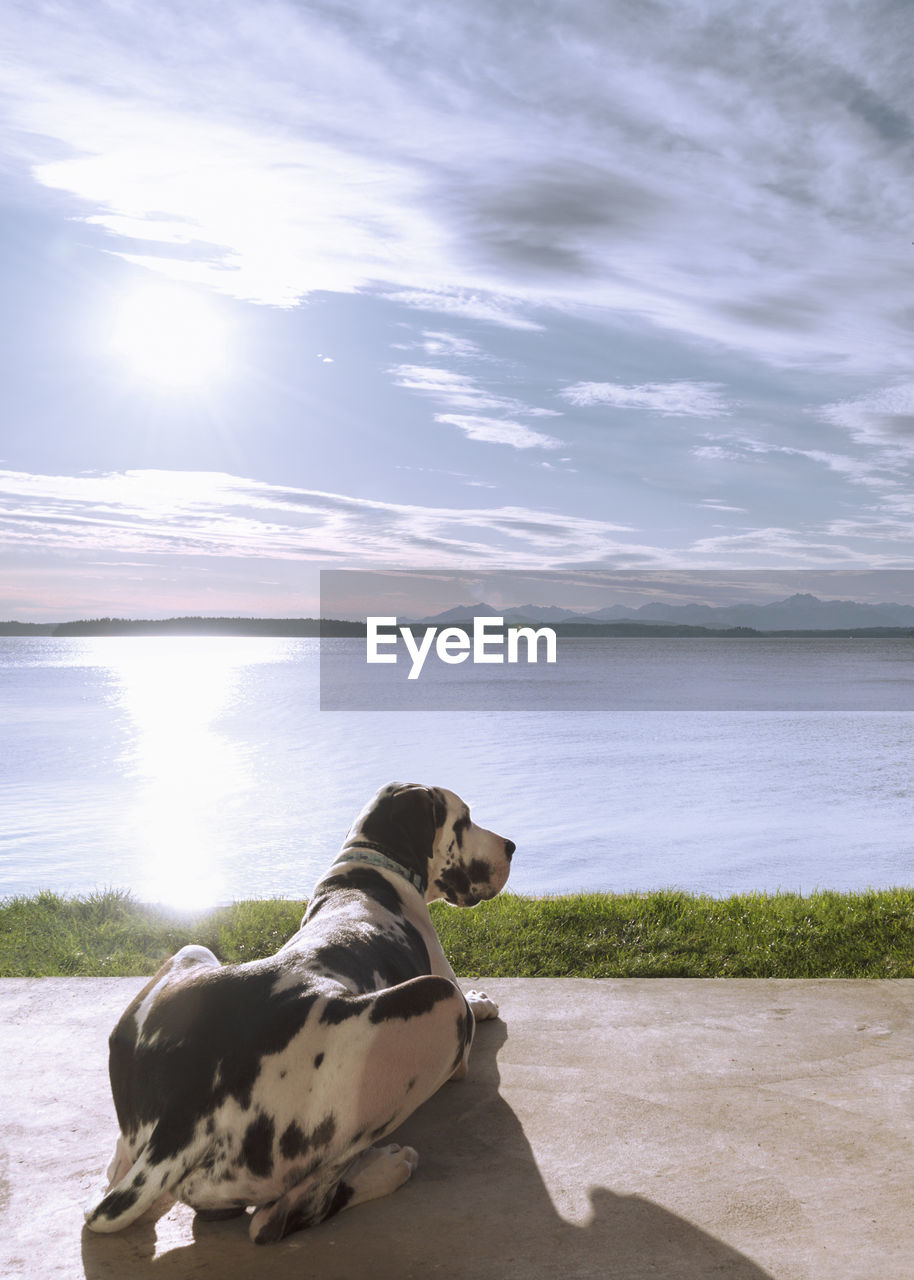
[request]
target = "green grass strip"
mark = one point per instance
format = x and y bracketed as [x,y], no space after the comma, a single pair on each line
[596,935]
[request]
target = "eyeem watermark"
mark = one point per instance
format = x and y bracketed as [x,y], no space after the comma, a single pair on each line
[490,642]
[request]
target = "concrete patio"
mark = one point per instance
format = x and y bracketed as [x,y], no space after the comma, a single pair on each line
[680,1129]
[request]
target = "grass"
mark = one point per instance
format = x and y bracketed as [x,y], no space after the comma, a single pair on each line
[109,934]
[654,935]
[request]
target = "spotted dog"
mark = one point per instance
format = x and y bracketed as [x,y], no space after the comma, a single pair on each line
[266,1084]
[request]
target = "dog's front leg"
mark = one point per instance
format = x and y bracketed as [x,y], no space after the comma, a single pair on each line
[483,1008]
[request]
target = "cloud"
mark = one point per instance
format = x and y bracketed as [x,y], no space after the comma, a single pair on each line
[439,342]
[884,418]
[499,431]
[491,309]
[215,515]
[199,533]
[899,530]
[461,391]
[670,399]
[716,453]
[711,504]
[775,547]
[737,175]
[873,472]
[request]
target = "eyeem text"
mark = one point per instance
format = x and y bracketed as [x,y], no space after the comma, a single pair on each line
[486,643]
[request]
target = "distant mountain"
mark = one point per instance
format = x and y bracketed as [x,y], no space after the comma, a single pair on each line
[613,613]
[540,613]
[800,612]
[517,613]
[461,613]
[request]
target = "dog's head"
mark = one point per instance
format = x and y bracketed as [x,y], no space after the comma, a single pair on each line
[428,830]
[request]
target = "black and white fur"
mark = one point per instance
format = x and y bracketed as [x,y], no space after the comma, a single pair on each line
[266,1084]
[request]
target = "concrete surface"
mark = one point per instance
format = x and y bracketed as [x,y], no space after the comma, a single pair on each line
[679,1129]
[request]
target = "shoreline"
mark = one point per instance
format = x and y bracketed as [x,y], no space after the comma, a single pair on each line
[338,628]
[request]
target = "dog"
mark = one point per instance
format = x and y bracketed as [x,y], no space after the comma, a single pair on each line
[267,1084]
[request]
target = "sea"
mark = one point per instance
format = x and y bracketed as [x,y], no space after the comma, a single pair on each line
[196,770]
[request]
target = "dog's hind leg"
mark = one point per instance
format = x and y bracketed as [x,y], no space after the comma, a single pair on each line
[375,1173]
[412,1038]
[121,1162]
[135,1192]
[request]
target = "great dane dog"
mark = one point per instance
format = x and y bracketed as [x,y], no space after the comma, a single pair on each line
[265,1084]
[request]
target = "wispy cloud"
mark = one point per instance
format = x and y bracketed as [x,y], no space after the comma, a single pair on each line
[461,391]
[499,431]
[153,541]
[865,470]
[218,515]
[716,453]
[884,418]
[490,308]
[440,342]
[788,548]
[457,389]
[711,504]
[670,399]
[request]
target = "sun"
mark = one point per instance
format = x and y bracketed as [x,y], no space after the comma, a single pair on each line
[170,337]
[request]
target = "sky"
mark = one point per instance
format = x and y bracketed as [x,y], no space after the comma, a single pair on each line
[589,285]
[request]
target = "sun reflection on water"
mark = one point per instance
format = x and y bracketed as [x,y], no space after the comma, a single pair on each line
[190,776]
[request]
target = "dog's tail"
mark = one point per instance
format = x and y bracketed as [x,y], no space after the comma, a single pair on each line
[131,1196]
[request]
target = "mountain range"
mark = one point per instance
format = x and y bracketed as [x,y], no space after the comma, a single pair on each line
[801,612]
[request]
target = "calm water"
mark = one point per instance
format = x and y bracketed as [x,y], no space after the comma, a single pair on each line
[197,770]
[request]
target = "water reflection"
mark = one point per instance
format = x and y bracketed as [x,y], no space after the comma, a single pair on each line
[190,775]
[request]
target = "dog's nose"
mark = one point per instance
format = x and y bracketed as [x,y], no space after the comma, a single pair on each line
[510,846]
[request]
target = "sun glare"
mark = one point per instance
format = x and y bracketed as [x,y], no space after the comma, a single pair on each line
[170,337]
[188,772]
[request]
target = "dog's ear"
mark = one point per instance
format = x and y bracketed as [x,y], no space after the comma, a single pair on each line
[404,820]
[414,820]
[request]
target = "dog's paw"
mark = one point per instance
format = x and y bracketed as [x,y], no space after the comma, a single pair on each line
[481,1005]
[380,1170]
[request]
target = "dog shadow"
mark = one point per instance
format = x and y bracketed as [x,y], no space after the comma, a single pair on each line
[478,1207]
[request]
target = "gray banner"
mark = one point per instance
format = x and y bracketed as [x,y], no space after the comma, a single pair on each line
[587,641]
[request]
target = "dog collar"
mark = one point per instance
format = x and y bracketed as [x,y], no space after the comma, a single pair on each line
[362,853]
